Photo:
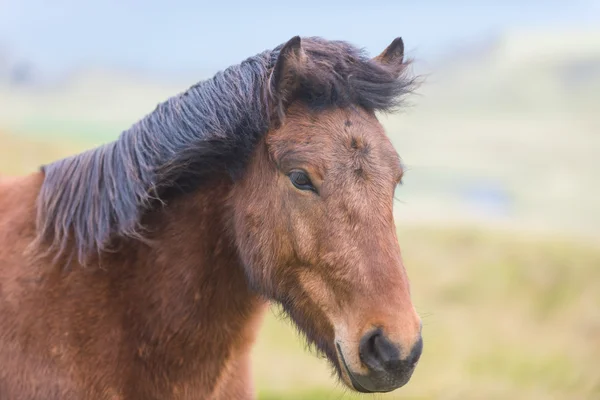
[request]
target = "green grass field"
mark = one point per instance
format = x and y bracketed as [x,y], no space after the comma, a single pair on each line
[506,316]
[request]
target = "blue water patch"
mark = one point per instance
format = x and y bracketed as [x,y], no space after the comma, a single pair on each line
[490,198]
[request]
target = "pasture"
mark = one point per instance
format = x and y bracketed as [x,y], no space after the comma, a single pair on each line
[505,315]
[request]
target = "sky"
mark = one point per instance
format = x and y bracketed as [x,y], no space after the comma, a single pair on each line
[171,37]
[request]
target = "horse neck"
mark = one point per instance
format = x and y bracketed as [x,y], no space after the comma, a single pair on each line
[189,287]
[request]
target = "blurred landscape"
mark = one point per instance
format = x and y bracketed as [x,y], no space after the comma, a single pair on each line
[498,218]
[507,130]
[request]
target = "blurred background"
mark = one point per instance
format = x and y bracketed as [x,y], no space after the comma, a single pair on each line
[499,216]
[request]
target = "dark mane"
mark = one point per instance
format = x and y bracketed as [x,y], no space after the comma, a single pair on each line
[209,130]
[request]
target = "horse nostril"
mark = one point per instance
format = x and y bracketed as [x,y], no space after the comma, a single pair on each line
[389,366]
[377,352]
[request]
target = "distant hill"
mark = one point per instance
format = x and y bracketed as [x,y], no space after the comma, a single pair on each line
[508,134]
[94,105]
[520,72]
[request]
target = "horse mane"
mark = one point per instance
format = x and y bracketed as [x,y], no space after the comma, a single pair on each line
[209,130]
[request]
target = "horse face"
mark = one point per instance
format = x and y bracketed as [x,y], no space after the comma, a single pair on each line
[315,231]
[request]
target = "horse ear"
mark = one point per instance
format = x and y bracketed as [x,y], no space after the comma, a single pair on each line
[393,55]
[284,78]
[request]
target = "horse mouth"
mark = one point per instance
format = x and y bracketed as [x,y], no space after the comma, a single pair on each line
[353,379]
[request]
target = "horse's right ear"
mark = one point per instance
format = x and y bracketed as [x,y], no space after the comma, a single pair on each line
[284,78]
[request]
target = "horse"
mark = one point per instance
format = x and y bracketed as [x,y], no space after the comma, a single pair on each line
[141,269]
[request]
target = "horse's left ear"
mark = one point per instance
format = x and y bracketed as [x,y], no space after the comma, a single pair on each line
[393,55]
[285,76]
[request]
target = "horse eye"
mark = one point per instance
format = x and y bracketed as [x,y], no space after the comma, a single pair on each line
[301,180]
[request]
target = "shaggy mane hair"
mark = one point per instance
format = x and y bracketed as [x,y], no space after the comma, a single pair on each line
[207,131]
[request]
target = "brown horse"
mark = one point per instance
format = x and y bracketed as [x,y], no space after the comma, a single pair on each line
[141,269]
